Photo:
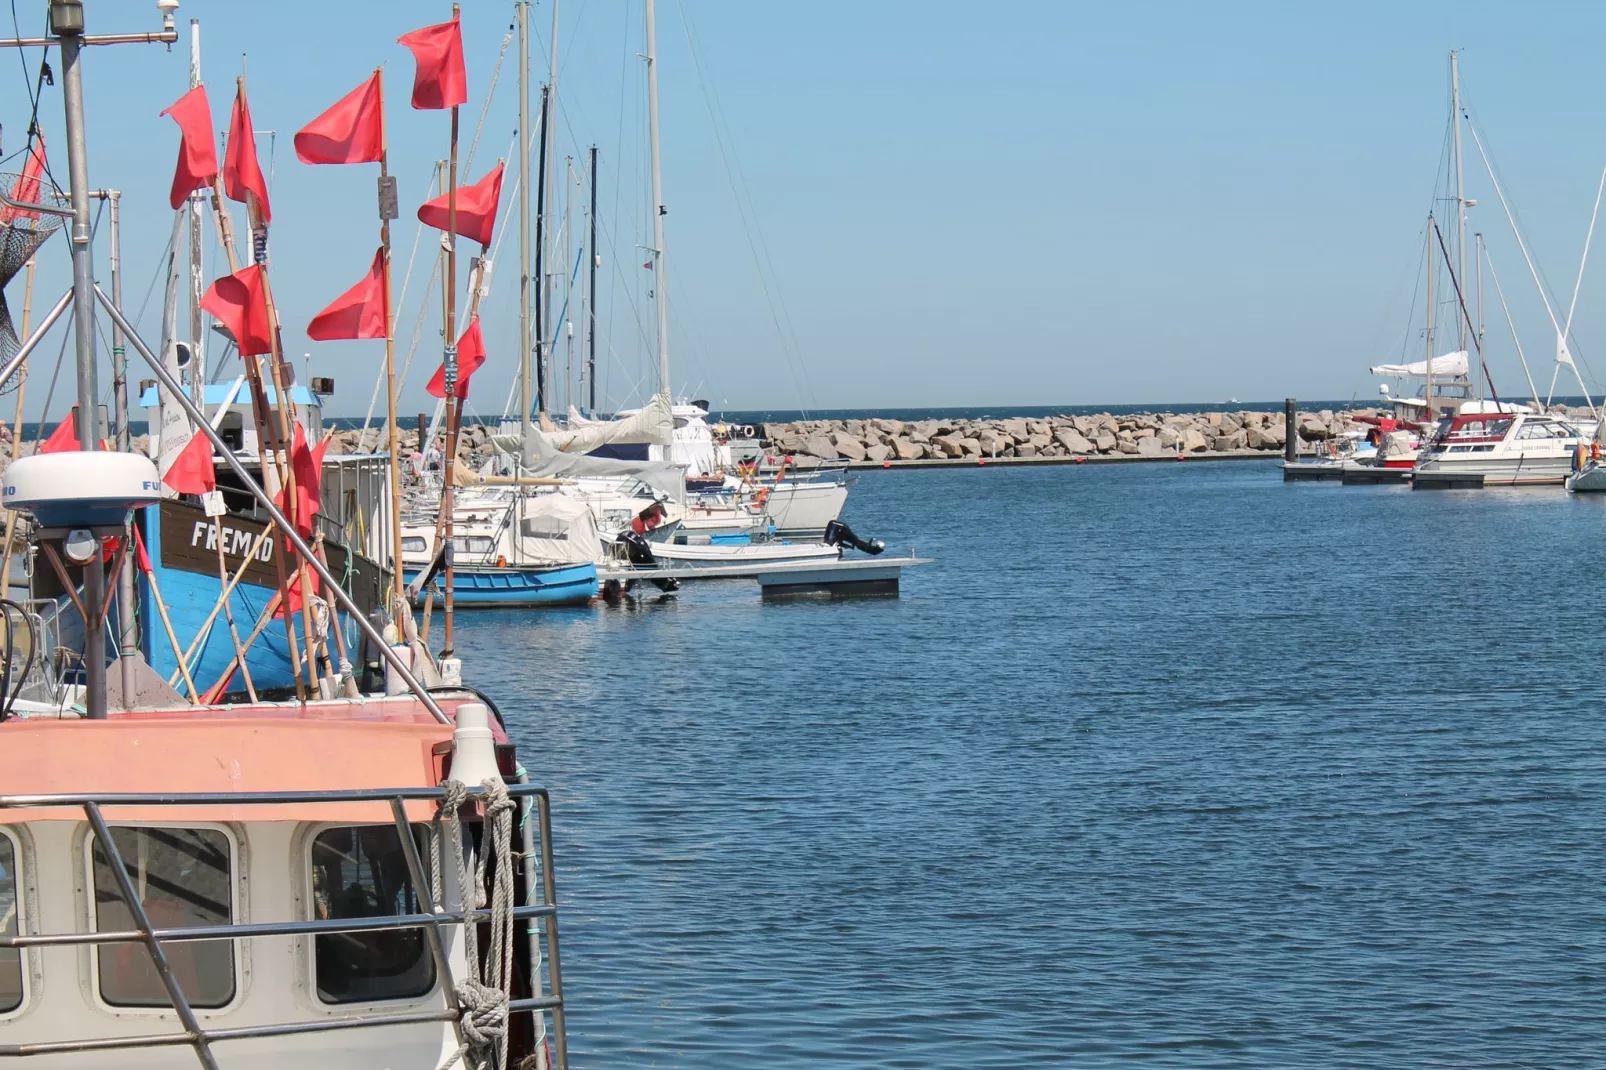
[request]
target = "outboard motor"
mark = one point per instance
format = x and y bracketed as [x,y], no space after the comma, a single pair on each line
[839,534]
[639,552]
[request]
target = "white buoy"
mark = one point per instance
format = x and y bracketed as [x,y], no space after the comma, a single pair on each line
[473,745]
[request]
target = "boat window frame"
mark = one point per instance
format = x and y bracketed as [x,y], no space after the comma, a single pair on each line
[237,864]
[309,835]
[19,881]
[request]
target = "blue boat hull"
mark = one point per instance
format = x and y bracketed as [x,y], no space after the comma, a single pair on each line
[561,585]
[189,595]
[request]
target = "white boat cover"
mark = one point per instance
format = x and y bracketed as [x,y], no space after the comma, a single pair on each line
[1448,365]
[667,479]
[558,528]
[652,425]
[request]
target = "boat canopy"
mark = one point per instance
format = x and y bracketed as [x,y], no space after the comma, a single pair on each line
[1448,365]
[558,528]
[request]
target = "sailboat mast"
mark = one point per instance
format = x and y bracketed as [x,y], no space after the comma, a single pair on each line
[539,354]
[524,222]
[591,291]
[660,290]
[1460,195]
[1433,269]
[549,113]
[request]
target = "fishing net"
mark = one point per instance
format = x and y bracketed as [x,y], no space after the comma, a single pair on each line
[21,234]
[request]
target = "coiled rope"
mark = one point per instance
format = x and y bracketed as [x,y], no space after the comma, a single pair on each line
[482,995]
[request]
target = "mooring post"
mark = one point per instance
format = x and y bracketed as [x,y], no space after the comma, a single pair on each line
[1291,441]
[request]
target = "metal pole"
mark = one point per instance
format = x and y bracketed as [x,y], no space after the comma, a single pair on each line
[1460,194]
[83,286]
[266,503]
[127,639]
[524,222]
[387,212]
[1433,269]
[454,407]
[591,292]
[660,291]
[1291,427]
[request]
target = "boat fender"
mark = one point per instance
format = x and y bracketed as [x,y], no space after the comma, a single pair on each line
[1578,457]
[838,534]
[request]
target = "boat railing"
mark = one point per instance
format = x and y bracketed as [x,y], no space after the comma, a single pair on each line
[539,916]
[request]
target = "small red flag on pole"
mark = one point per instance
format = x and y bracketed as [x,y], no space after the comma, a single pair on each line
[476,208]
[360,312]
[440,80]
[241,305]
[64,438]
[242,175]
[470,355]
[29,187]
[197,157]
[192,471]
[351,131]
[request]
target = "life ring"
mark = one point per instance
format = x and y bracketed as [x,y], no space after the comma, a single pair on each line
[748,431]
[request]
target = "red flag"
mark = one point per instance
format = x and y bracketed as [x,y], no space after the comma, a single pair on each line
[197,157]
[476,208]
[191,471]
[293,602]
[241,304]
[28,187]
[360,312]
[352,131]
[307,464]
[241,173]
[440,80]
[64,439]
[470,355]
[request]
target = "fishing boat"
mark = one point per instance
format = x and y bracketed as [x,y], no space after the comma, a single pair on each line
[360,881]
[509,549]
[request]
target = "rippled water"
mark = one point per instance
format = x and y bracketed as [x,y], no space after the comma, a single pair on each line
[1164,763]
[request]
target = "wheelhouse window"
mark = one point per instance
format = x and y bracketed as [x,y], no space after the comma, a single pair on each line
[10,917]
[360,872]
[184,878]
[414,544]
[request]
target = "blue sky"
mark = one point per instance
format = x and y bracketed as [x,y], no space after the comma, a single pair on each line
[926,203]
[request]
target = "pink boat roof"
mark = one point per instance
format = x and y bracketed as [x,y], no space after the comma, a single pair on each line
[319,746]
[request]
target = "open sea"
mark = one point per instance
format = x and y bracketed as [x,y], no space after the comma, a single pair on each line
[1169,764]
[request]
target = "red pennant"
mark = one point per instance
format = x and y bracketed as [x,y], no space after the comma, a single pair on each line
[440,80]
[192,471]
[64,439]
[470,355]
[360,312]
[476,208]
[197,156]
[29,187]
[240,303]
[308,467]
[352,131]
[242,176]
[293,601]
[141,558]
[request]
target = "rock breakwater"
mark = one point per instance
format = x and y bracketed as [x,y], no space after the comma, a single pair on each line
[1139,436]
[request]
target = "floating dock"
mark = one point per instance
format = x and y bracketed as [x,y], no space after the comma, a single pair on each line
[849,577]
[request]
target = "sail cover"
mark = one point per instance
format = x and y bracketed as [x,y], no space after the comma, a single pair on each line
[558,529]
[1447,365]
[653,425]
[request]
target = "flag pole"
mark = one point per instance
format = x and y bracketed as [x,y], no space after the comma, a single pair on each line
[454,406]
[387,212]
[281,432]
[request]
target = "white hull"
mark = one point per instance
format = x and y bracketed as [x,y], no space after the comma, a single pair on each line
[749,553]
[1589,479]
[805,508]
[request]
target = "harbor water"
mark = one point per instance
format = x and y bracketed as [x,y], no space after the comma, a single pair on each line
[1172,764]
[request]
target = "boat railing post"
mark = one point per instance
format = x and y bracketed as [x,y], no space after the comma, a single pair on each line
[426,900]
[1291,429]
[136,910]
[549,893]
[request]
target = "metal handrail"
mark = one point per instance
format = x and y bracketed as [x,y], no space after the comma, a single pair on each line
[430,920]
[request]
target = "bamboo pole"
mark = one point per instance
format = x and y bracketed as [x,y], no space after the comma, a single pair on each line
[228,591]
[390,353]
[228,611]
[454,408]
[161,609]
[16,424]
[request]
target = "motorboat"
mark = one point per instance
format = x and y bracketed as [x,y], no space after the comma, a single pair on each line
[1487,444]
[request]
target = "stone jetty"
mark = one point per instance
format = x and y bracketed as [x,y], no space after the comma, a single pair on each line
[1125,436]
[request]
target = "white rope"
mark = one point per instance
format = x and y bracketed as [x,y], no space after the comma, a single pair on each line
[483,994]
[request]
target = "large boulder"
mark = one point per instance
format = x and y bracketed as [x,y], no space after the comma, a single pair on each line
[818,446]
[877,453]
[951,445]
[1073,441]
[993,443]
[1149,446]
[1312,429]
[1105,442]
[849,446]
[1015,429]
[1168,437]
[1193,441]
[907,450]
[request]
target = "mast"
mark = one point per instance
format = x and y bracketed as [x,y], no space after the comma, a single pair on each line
[539,354]
[197,266]
[1477,259]
[387,212]
[567,326]
[1460,194]
[591,291]
[660,292]
[524,222]
[1433,268]
[68,25]
[549,112]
